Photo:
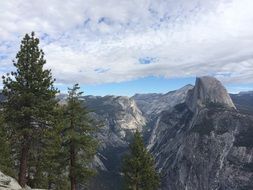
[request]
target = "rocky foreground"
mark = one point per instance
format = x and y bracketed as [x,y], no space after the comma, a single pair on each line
[9,183]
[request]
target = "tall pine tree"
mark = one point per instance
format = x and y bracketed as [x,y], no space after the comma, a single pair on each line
[30,101]
[78,141]
[138,167]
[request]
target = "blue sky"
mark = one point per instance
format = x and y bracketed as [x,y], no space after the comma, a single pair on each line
[124,47]
[129,88]
[146,85]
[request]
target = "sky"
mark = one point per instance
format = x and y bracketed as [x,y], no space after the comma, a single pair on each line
[123,47]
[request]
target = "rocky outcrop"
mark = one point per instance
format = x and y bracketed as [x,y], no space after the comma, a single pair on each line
[9,183]
[208,90]
[205,143]
[119,116]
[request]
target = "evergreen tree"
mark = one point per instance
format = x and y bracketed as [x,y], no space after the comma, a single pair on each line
[30,101]
[138,167]
[6,163]
[48,162]
[77,139]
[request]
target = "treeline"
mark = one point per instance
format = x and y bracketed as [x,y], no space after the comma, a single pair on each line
[49,145]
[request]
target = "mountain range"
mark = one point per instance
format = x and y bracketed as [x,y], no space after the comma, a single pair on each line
[200,136]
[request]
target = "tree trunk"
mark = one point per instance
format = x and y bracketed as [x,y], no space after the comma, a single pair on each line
[49,185]
[23,165]
[72,167]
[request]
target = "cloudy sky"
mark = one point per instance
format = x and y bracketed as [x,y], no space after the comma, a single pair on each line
[128,46]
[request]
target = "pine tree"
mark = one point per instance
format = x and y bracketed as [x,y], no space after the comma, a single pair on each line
[138,167]
[30,101]
[51,172]
[6,162]
[78,141]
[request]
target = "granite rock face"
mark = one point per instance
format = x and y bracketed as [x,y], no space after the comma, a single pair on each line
[205,143]
[208,90]
[119,118]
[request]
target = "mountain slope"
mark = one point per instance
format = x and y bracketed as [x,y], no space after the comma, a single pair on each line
[243,102]
[120,118]
[205,143]
[152,105]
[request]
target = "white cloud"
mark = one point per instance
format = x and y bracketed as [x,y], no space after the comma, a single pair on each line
[97,41]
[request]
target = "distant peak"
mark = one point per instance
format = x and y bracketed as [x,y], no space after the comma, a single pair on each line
[246,93]
[186,87]
[208,89]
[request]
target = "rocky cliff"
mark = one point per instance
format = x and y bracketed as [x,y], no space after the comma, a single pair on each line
[205,143]
[208,90]
[119,118]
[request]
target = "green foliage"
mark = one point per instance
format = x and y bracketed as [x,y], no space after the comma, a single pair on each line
[29,91]
[49,164]
[6,162]
[78,142]
[211,104]
[138,167]
[28,110]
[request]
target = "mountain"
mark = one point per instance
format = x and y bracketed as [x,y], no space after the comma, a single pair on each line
[243,101]
[208,90]
[152,105]
[200,136]
[204,143]
[120,118]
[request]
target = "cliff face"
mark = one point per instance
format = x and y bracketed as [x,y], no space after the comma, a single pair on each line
[208,90]
[119,118]
[205,143]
